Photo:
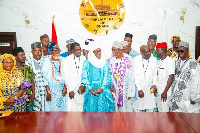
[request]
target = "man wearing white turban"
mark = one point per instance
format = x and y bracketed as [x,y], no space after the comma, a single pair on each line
[97,80]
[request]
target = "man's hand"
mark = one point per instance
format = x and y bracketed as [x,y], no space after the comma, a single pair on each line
[155,92]
[32,96]
[12,98]
[93,92]
[164,96]
[112,92]
[152,89]
[141,93]
[82,89]
[48,96]
[99,90]
[192,102]
[64,92]
[71,94]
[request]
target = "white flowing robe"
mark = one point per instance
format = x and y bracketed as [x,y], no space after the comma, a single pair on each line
[72,71]
[145,77]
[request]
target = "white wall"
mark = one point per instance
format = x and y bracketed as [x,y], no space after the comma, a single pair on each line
[143,17]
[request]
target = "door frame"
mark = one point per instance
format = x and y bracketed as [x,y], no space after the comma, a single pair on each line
[6,35]
[197,42]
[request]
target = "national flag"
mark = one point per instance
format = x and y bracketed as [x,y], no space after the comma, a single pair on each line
[54,35]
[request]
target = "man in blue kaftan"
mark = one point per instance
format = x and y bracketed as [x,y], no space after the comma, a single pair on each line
[96,78]
[56,90]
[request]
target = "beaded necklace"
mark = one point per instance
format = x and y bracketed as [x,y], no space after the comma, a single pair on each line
[145,70]
[77,64]
[58,71]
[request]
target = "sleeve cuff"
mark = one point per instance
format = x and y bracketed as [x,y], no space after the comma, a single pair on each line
[25,85]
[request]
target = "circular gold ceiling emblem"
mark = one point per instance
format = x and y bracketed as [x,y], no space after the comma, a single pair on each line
[102,17]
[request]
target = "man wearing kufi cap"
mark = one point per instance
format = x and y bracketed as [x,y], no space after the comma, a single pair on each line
[68,46]
[51,46]
[73,65]
[152,44]
[119,64]
[165,75]
[52,71]
[28,73]
[186,85]
[175,40]
[97,80]
[127,48]
[172,52]
[44,40]
[35,61]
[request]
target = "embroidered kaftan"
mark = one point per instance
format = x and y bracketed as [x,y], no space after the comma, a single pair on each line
[39,99]
[95,78]
[58,102]
[186,87]
[118,70]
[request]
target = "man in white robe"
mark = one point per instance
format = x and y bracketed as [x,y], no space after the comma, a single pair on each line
[145,74]
[165,75]
[186,85]
[73,65]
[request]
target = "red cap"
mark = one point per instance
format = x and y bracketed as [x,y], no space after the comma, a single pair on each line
[161,45]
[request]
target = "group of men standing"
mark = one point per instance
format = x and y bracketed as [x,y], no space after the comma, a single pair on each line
[126,82]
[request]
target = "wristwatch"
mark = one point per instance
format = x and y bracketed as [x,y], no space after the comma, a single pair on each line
[16,98]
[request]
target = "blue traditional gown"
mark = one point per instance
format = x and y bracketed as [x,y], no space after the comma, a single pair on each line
[58,102]
[95,78]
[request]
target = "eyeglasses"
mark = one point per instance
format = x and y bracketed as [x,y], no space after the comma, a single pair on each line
[182,51]
[8,62]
